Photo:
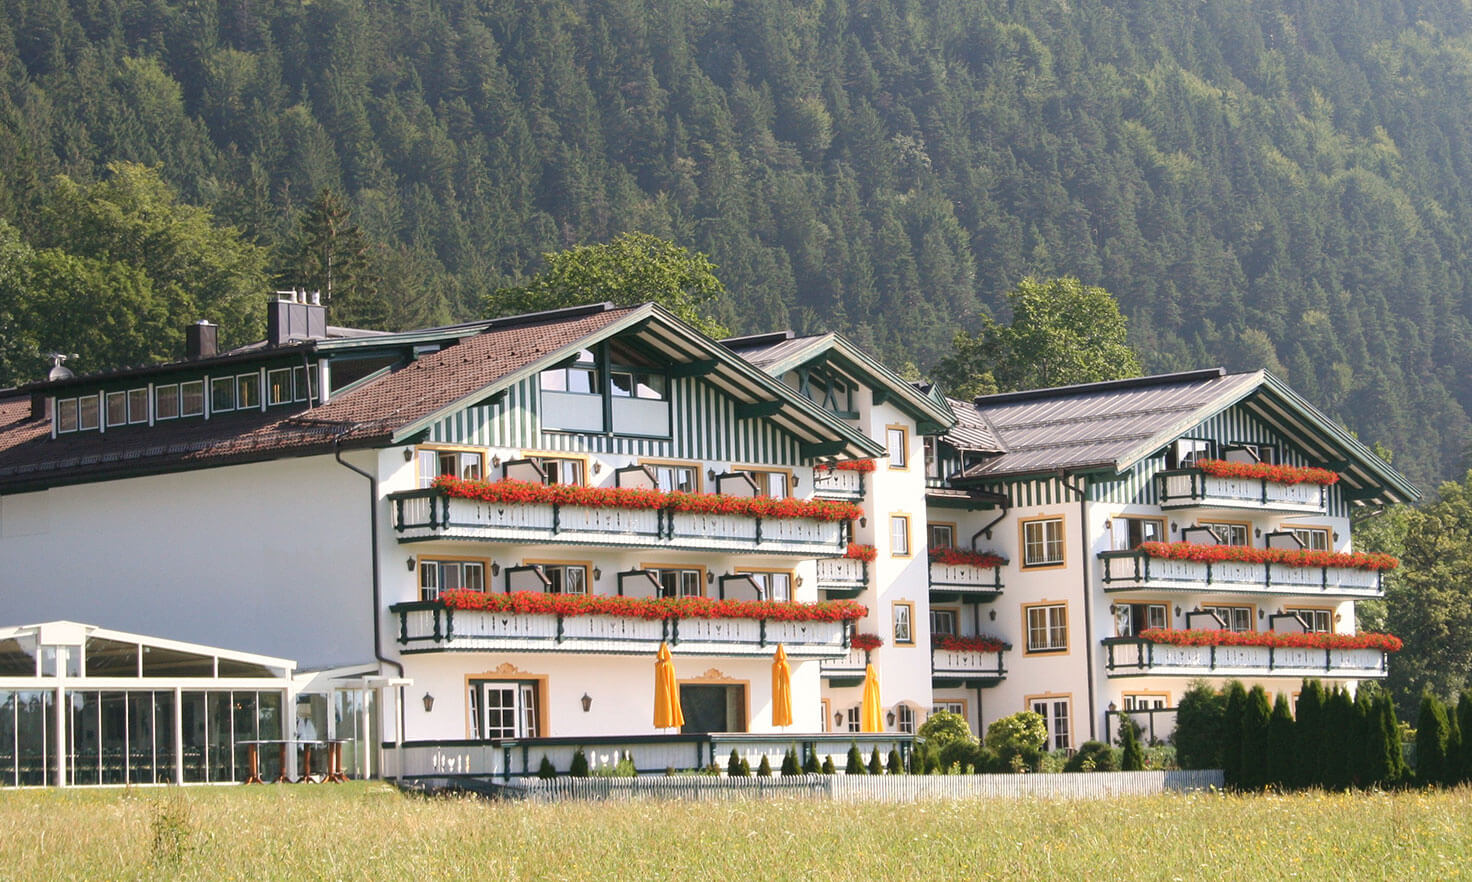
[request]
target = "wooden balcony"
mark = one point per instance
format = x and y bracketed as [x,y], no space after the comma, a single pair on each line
[1193,488]
[954,669]
[1137,571]
[431,514]
[838,484]
[842,577]
[846,670]
[428,626]
[952,583]
[1133,657]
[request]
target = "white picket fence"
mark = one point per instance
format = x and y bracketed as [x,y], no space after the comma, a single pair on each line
[876,788]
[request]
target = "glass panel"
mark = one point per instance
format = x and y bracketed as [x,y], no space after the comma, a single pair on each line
[247,391]
[34,714]
[221,767]
[163,736]
[475,576]
[270,726]
[621,385]
[469,466]
[243,705]
[299,384]
[137,405]
[161,662]
[18,657]
[111,658]
[117,408]
[87,415]
[230,667]
[85,749]
[165,402]
[113,726]
[66,415]
[278,386]
[195,725]
[429,580]
[7,738]
[899,535]
[222,394]
[894,439]
[191,398]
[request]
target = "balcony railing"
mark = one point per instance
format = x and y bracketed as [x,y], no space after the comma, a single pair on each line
[1132,657]
[838,484]
[969,668]
[842,576]
[1136,570]
[848,669]
[434,514]
[949,582]
[427,626]
[1183,488]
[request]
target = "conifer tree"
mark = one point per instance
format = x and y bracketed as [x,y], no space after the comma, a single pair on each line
[1282,745]
[895,766]
[876,765]
[855,761]
[1234,712]
[1464,725]
[764,768]
[733,765]
[1396,770]
[1341,744]
[1432,732]
[1132,753]
[811,766]
[790,767]
[1255,720]
[579,768]
[828,767]
[1308,734]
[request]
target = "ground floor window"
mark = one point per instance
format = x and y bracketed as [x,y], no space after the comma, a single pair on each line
[712,707]
[503,709]
[1055,714]
[904,718]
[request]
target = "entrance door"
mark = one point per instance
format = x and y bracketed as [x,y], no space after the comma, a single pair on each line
[709,708]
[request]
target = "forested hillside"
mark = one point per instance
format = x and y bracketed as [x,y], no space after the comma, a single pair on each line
[1269,183]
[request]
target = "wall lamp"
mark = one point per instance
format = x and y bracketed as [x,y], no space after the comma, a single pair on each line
[890,717]
[587,702]
[411,563]
[428,702]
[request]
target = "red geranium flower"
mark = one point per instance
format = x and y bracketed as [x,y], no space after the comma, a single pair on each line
[857,551]
[1278,474]
[528,493]
[1201,553]
[979,643]
[1197,637]
[538,603]
[955,556]
[866,642]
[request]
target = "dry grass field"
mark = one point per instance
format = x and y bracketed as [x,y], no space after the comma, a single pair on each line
[371,831]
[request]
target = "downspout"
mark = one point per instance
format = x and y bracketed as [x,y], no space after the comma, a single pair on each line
[1083,537]
[377,577]
[988,528]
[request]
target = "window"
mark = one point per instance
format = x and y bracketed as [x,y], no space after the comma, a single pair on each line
[137,405]
[649,385]
[1229,532]
[1042,542]
[117,409]
[1234,618]
[464,464]
[854,720]
[1318,621]
[773,585]
[1313,538]
[559,470]
[1132,618]
[1186,451]
[222,394]
[669,476]
[300,390]
[565,578]
[1237,452]
[932,458]
[904,718]
[940,535]
[278,386]
[1047,627]
[1054,711]
[191,398]
[507,709]
[247,391]
[899,535]
[66,415]
[580,377]
[1129,532]
[770,482]
[447,575]
[1134,701]
[942,621]
[678,581]
[950,707]
[904,615]
[897,442]
[87,415]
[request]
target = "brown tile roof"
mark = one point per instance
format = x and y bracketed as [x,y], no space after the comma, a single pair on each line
[367,415]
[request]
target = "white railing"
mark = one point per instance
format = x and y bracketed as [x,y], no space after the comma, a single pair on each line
[850,665]
[965,578]
[1128,657]
[842,573]
[430,627]
[1188,487]
[1126,571]
[427,514]
[838,483]
[967,664]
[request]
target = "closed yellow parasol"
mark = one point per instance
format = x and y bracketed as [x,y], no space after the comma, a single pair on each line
[667,713]
[781,688]
[869,714]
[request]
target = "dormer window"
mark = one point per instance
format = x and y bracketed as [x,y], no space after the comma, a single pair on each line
[88,414]
[608,389]
[222,394]
[1184,453]
[581,377]
[117,409]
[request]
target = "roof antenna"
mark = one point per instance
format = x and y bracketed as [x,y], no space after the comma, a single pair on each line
[58,371]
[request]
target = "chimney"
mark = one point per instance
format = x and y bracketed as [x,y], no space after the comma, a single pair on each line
[295,315]
[201,340]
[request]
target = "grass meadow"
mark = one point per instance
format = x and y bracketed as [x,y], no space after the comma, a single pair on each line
[372,831]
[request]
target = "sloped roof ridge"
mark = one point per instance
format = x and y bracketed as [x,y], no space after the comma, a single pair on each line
[1195,376]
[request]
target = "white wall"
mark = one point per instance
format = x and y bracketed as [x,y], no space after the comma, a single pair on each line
[268,558]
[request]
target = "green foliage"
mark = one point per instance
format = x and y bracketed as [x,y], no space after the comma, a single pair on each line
[1432,733]
[1024,730]
[579,767]
[790,765]
[1132,753]
[828,767]
[894,765]
[546,771]
[631,268]
[764,768]
[332,255]
[811,766]
[855,764]
[1093,756]
[876,765]
[736,766]
[1199,727]
[1234,713]
[943,727]
[1256,713]
[1464,725]
[1308,735]
[1062,332]
[1282,745]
